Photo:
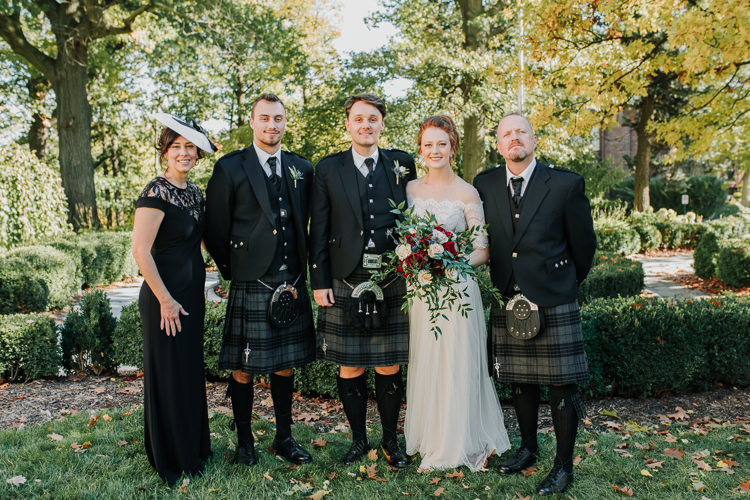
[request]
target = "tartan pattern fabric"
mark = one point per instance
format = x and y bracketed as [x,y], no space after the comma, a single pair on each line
[271,349]
[556,356]
[346,346]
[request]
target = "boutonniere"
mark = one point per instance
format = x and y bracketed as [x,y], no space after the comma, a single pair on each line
[399,170]
[295,174]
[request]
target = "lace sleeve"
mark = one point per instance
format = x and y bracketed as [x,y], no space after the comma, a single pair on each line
[154,195]
[474,214]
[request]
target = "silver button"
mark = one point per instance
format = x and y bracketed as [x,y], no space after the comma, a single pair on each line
[283,228]
[566,261]
[372,231]
[557,265]
[274,232]
[371,200]
[518,216]
[372,216]
[361,233]
[370,185]
[561,263]
[315,266]
[242,243]
[285,243]
[514,255]
[280,198]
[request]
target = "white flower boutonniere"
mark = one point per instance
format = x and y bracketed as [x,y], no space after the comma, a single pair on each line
[295,174]
[399,170]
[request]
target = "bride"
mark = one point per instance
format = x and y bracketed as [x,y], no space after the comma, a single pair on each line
[453,416]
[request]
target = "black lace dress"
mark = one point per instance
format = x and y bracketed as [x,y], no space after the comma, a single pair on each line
[174,396]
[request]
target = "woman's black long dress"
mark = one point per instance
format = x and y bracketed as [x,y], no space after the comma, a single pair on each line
[174,397]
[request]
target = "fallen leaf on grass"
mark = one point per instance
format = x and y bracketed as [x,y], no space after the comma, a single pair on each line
[727,462]
[697,485]
[744,486]
[646,473]
[654,464]
[674,452]
[679,414]
[577,460]
[16,480]
[590,451]
[623,489]
[55,437]
[670,438]
[330,476]
[122,443]
[106,418]
[458,475]
[320,442]
[267,476]
[92,421]
[519,497]
[372,455]
[529,471]
[649,446]
[127,412]
[319,494]
[702,465]
[439,492]
[435,480]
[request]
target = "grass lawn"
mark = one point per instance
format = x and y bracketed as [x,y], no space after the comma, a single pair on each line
[104,458]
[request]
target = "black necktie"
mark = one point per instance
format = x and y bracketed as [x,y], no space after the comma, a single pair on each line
[516,182]
[275,178]
[369,163]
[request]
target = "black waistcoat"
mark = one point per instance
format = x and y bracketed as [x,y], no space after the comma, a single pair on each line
[374,193]
[286,241]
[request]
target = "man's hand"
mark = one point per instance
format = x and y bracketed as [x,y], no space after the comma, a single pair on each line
[324,297]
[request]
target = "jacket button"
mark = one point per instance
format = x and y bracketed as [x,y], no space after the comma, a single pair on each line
[274,232]
[242,243]
[514,255]
[361,233]
[315,266]
[557,265]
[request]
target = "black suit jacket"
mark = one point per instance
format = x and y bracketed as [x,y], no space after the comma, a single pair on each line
[336,226]
[240,233]
[554,242]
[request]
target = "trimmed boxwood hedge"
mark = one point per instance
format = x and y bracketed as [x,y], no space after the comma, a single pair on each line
[21,291]
[733,262]
[612,275]
[56,270]
[28,347]
[86,335]
[616,236]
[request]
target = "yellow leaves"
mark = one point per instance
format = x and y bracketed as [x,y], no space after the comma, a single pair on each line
[318,494]
[646,473]
[106,418]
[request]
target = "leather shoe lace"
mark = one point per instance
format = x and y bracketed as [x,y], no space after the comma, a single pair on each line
[556,481]
[357,450]
[394,455]
[523,459]
[246,455]
[290,450]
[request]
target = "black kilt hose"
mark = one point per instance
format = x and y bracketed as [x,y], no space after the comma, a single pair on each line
[347,346]
[272,349]
[554,357]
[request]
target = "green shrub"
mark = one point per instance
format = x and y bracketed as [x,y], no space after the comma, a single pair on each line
[676,234]
[127,338]
[705,253]
[649,234]
[213,333]
[21,290]
[87,335]
[28,347]
[638,347]
[55,268]
[707,194]
[612,276]
[616,237]
[32,201]
[733,262]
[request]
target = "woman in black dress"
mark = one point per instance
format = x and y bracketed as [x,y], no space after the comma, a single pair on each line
[167,231]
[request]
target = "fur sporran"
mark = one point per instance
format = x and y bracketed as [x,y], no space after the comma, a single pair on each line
[365,309]
[523,319]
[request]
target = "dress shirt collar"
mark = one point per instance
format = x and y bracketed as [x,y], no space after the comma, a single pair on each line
[263,159]
[359,161]
[526,174]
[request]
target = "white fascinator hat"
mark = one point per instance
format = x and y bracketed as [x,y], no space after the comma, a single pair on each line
[188,129]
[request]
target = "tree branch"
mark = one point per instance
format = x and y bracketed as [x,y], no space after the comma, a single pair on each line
[10,31]
[100,28]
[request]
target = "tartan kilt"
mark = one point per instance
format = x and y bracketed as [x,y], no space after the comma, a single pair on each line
[346,346]
[554,357]
[271,348]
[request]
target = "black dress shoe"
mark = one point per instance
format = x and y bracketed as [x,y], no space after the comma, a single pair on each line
[246,455]
[289,449]
[394,455]
[523,459]
[556,481]
[358,450]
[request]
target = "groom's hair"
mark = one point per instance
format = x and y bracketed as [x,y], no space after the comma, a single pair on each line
[370,99]
[444,123]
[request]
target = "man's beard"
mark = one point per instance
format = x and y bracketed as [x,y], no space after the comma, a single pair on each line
[520,156]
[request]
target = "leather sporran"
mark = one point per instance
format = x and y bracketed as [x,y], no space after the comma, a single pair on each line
[523,320]
[283,307]
[365,309]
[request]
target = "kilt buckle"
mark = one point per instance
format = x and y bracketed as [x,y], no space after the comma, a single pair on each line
[372,261]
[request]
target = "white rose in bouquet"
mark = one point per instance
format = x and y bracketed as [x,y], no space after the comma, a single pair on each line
[439,236]
[403,251]
[425,278]
[451,273]
[435,249]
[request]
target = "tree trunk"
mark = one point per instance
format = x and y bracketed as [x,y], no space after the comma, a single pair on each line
[745,198]
[74,129]
[642,174]
[39,129]
[473,150]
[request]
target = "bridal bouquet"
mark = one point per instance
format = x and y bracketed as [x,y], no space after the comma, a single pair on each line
[431,259]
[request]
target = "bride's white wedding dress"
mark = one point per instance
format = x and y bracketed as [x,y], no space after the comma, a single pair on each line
[453,415]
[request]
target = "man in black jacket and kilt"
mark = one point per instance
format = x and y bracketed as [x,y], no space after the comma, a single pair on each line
[257,209]
[348,234]
[542,243]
